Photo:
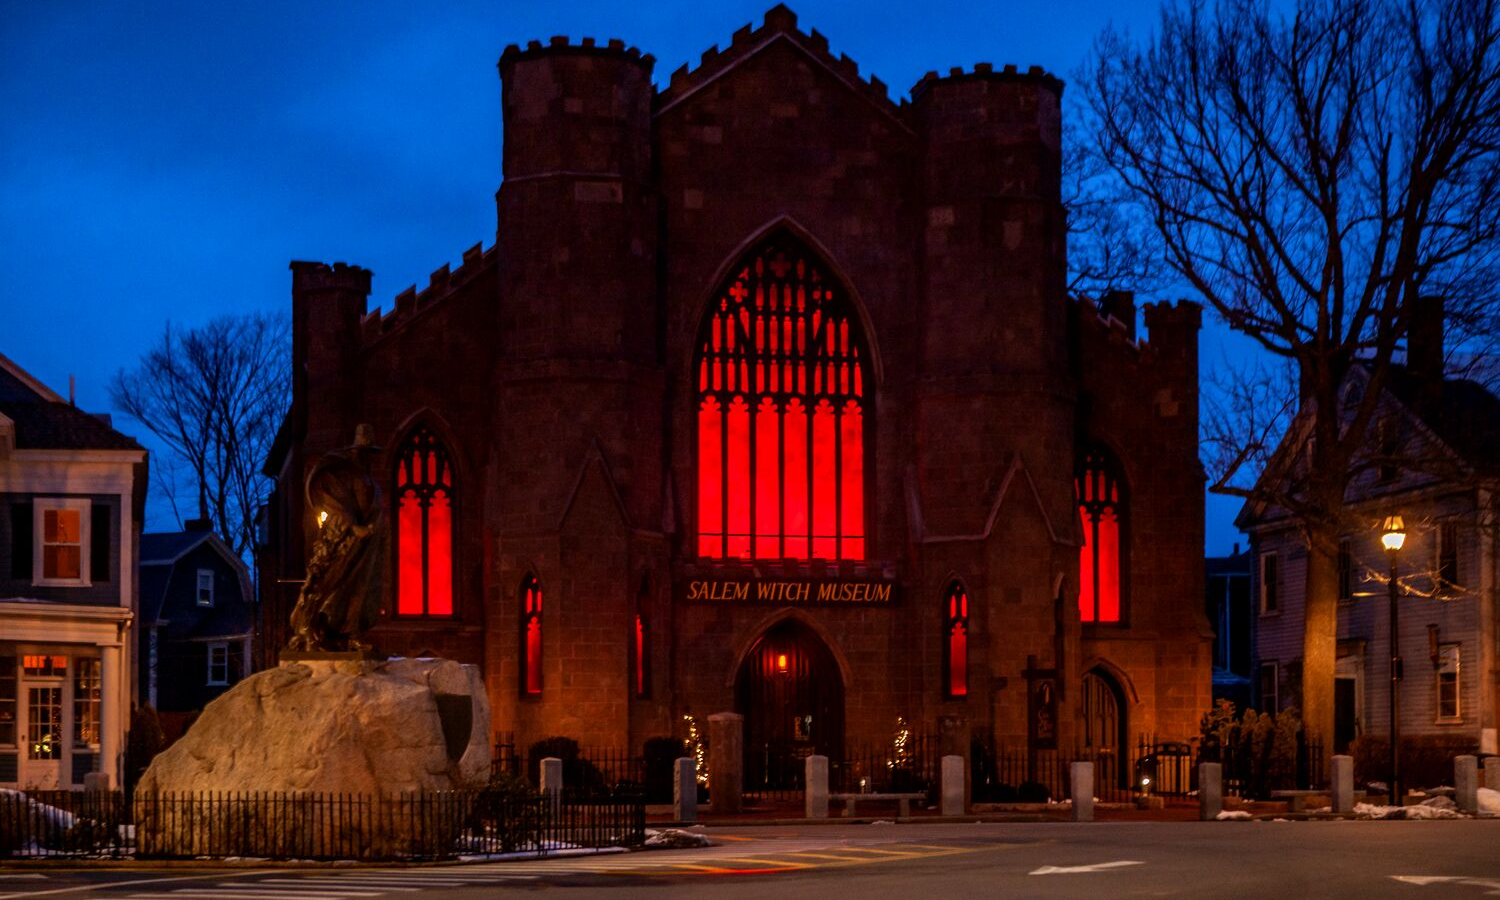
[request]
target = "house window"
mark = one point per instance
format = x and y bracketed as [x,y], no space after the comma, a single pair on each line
[44,666]
[1446,558]
[1448,707]
[1270,583]
[205,587]
[86,697]
[7,701]
[531,636]
[218,664]
[1388,438]
[63,527]
[1269,678]
[956,642]
[1346,571]
[424,527]
[44,722]
[783,419]
[1102,509]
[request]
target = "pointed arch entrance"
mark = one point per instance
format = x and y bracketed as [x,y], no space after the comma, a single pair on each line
[1104,726]
[791,693]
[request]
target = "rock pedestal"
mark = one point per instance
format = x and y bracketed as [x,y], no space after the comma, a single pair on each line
[370,730]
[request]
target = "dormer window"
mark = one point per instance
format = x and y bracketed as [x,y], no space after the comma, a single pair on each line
[205,587]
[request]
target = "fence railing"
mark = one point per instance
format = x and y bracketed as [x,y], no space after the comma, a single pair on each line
[310,825]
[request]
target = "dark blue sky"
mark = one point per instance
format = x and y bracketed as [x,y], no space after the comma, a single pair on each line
[164,161]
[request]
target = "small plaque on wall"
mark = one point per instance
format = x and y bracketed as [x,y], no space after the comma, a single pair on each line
[1042,713]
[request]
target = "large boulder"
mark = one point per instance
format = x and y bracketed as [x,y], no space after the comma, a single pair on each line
[347,753]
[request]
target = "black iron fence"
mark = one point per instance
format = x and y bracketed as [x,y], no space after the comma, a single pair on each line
[311,825]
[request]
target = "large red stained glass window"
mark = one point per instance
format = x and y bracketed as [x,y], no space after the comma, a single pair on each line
[531,636]
[424,527]
[1102,508]
[956,642]
[782,414]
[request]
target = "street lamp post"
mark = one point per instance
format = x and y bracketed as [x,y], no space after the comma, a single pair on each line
[1393,536]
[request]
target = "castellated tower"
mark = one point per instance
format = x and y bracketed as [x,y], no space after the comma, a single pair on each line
[996,416]
[578,389]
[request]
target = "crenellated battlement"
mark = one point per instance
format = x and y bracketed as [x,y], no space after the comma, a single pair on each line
[779,23]
[986,72]
[560,44]
[320,276]
[440,284]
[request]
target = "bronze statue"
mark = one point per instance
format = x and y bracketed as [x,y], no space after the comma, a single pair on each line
[346,570]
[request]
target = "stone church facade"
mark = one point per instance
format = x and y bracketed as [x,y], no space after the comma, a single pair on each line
[770,397]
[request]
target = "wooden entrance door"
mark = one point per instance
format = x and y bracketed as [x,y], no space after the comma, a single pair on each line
[792,697]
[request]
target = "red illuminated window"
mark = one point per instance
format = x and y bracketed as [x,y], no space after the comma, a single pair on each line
[1102,509]
[531,636]
[782,414]
[956,642]
[641,656]
[424,527]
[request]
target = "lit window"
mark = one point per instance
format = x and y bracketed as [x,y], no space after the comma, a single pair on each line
[63,529]
[1102,510]
[424,527]
[205,587]
[44,722]
[531,636]
[218,664]
[86,697]
[45,666]
[1447,682]
[956,642]
[782,414]
[1270,583]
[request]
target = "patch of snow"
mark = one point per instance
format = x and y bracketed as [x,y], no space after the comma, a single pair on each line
[1371,811]
[1233,815]
[882,822]
[1439,802]
[1489,801]
[673,838]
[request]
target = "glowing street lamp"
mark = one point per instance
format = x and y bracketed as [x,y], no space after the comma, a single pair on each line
[1393,537]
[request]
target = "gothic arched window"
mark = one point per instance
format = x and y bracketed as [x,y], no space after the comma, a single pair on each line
[424,527]
[782,413]
[1102,507]
[531,636]
[956,642]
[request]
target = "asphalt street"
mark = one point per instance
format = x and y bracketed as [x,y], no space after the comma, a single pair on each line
[1422,860]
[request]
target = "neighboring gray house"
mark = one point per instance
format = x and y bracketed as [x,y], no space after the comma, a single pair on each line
[196,619]
[72,494]
[1435,461]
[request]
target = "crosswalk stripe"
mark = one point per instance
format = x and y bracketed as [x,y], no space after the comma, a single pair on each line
[249,890]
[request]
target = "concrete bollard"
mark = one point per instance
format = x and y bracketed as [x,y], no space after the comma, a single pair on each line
[1466,783]
[552,781]
[685,790]
[1082,776]
[1492,773]
[815,791]
[1210,791]
[1342,798]
[953,786]
[726,762]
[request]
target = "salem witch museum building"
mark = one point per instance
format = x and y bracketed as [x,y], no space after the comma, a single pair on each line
[770,398]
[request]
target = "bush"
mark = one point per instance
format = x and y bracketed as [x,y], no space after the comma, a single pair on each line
[661,755]
[578,773]
[1033,792]
[1426,760]
[145,741]
[1259,751]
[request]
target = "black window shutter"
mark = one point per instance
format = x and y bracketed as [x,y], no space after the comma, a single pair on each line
[20,541]
[100,543]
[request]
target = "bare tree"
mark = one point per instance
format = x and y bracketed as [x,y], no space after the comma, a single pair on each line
[215,396]
[1312,176]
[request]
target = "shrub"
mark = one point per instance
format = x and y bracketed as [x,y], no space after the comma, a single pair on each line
[578,773]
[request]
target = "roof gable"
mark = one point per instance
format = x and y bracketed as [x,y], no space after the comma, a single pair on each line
[778,27]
